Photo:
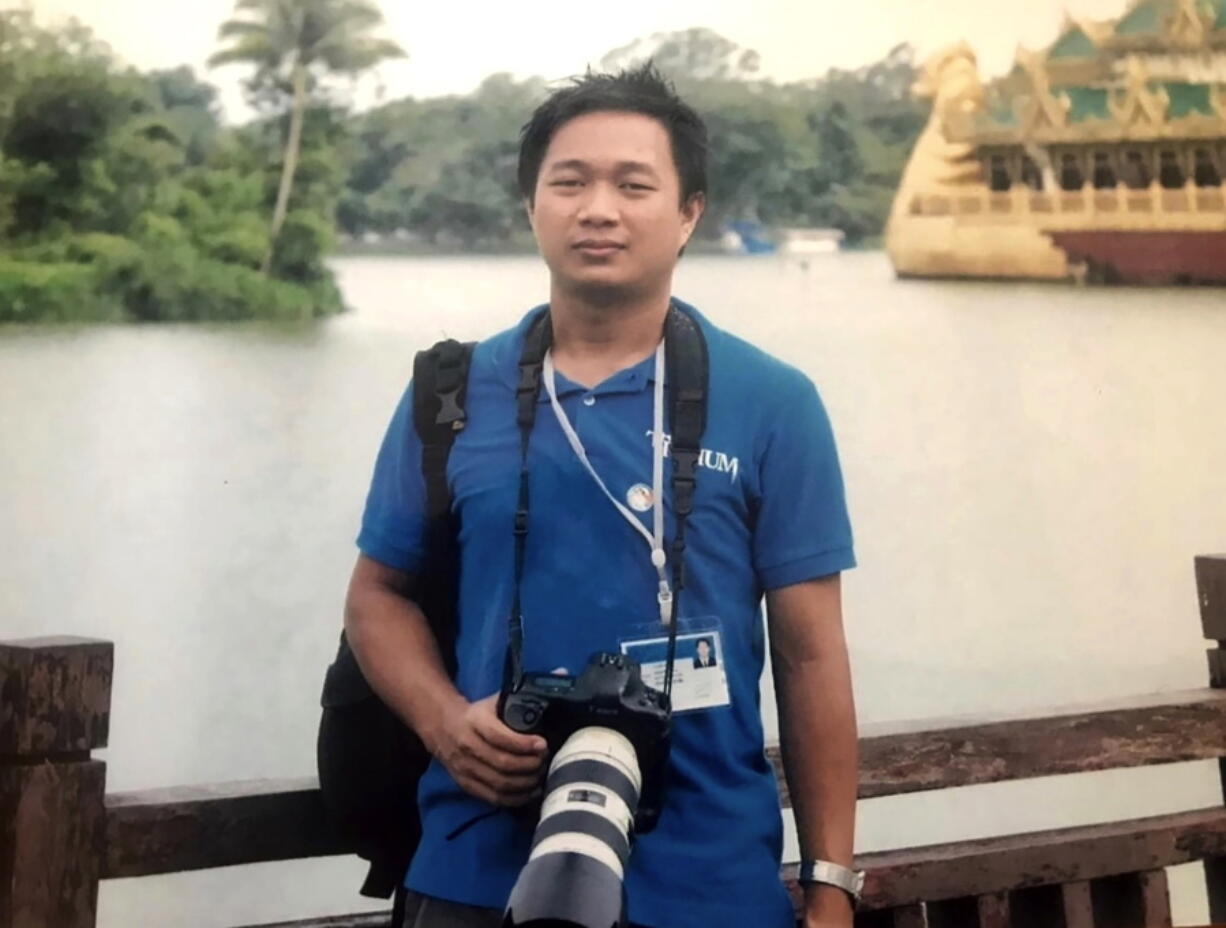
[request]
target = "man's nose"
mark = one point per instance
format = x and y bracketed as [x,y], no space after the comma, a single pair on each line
[599,206]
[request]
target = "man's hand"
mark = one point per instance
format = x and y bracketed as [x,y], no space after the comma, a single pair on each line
[827,907]
[487,759]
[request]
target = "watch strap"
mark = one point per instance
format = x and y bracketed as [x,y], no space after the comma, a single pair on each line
[832,874]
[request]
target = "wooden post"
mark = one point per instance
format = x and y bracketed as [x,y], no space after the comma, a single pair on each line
[1211,593]
[55,704]
[1155,899]
[1077,904]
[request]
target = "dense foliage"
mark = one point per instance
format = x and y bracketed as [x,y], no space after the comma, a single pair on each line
[825,152]
[122,197]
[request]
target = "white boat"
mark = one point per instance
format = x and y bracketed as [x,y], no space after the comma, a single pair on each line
[805,242]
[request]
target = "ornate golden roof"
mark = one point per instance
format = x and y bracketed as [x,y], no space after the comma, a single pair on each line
[1157,72]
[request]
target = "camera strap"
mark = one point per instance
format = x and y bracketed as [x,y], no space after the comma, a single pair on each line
[686,361]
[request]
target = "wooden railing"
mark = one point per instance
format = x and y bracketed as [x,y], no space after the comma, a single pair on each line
[60,833]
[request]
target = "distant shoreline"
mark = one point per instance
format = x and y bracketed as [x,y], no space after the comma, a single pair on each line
[404,249]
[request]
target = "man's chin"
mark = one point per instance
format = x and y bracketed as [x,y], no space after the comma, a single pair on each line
[605,292]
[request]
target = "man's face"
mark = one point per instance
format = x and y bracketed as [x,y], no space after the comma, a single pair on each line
[704,650]
[607,212]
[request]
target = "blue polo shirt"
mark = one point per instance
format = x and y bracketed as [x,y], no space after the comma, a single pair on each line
[769,512]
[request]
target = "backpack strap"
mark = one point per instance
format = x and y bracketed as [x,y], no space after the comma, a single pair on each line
[440,381]
[688,373]
[688,366]
[440,388]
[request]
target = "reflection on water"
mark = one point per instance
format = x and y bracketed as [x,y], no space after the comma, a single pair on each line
[1030,469]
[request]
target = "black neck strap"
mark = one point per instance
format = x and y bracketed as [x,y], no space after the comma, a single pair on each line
[686,365]
[527,395]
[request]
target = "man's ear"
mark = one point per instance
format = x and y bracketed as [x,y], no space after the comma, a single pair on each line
[691,212]
[529,211]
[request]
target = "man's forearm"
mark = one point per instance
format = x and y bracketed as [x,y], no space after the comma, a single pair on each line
[400,658]
[818,741]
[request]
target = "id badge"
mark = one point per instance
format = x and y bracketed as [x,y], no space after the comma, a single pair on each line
[700,680]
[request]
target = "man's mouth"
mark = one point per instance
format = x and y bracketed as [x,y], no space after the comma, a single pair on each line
[599,247]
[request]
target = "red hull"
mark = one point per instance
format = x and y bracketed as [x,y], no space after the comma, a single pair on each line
[1148,257]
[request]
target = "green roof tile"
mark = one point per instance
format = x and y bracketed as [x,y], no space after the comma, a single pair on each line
[1073,44]
[1189,98]
[1086,103]
[1146,19]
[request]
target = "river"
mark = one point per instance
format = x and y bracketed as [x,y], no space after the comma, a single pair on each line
[1030,471]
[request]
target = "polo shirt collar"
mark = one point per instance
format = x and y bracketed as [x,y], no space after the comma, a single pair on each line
[629,380]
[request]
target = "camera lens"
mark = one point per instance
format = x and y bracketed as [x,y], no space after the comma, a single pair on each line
[574,874]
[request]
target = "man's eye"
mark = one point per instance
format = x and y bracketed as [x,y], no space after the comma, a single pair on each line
[639,187]
[564,183]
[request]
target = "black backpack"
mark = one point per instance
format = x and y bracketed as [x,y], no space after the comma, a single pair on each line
[369,761]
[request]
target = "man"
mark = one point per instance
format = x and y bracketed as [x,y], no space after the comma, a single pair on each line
[612,170]
[702,654]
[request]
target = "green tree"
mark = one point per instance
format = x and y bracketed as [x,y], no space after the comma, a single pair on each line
[748,160]
[474,201]
[190,110]
[122,198]
[442,167]
[78,129]
[691,55]
[837,149]
[827,151]
[293,46]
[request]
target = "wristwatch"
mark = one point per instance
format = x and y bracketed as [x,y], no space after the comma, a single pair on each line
[830,874]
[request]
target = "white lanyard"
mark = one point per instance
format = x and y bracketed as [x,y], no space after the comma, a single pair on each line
[655,540]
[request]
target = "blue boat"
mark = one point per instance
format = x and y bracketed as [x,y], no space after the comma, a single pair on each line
[747,237]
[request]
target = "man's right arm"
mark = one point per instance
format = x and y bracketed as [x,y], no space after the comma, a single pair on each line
[400,658]
[396,649]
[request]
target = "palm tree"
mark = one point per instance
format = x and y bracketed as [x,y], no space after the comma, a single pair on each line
[294,43]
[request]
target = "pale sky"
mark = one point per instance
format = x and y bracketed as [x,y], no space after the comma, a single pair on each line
[452,46]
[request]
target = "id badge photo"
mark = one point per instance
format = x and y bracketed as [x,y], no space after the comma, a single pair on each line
[700,680]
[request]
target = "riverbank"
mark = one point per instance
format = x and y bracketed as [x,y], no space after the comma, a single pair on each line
[101,278]
[109,279]
[393,247]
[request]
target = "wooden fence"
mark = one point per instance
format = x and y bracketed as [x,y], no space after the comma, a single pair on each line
[61,833]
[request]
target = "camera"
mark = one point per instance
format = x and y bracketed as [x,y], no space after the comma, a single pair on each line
[608,733]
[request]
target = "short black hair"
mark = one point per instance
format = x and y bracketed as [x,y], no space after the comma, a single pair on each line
[642,89]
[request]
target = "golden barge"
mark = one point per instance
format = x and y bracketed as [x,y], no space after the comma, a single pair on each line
[1101,158]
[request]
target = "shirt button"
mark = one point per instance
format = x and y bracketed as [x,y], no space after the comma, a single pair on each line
[589,401]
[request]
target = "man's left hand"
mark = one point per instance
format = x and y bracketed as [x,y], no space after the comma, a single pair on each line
[827,907]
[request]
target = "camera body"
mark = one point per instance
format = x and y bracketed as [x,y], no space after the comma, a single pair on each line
[610,693]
